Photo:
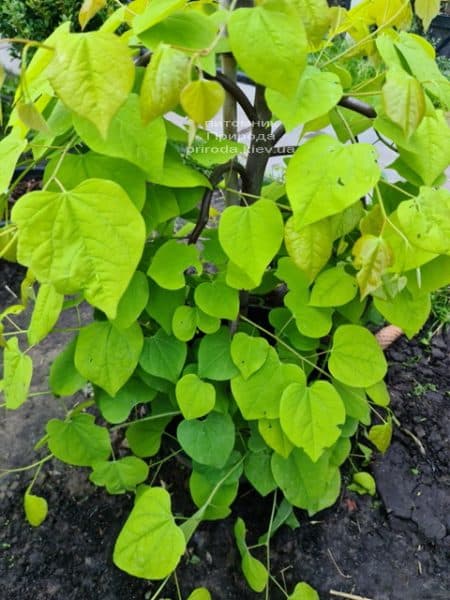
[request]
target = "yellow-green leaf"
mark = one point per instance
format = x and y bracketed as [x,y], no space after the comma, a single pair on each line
[251,236]
[425,220]
[92,73]
[309,247]
[46,312]
[150,544]
[165,77]
[316,17]
[202,100]
[11,147]
[89,239]
[381,435]
[403,100]
[324,177]
[88,10]
[269,42]
[316,94]
[36,509]
[427,10]
[373,257]
[31,117]
[17,374]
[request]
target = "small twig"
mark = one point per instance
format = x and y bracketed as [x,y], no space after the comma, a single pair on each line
[415,439]
[333,560]
[238,94]
[357,106]
[217,174]
[348,596]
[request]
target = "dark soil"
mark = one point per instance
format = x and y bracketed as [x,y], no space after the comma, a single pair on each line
[393,547]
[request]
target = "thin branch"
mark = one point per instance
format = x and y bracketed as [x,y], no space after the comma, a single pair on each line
[217,175]
[278,133]
[347,596]
[238,94]
[357,106]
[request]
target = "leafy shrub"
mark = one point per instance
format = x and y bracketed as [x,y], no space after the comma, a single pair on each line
[238,331]
[36,19]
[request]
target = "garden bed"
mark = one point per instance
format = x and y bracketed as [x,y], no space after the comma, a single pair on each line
[392,547]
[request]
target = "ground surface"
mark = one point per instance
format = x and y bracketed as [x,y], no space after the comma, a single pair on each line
[393,547]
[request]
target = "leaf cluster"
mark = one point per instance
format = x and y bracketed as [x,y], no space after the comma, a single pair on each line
[233,332]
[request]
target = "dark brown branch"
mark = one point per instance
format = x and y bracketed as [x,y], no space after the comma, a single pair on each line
[357,106]
[238,94]
[217,175]
[278,133]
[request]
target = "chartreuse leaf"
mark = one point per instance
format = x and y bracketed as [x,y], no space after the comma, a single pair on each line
[185,29]
[356,359]
[256,399]
[379,394]
[169,263]
[92,73]
[214,356]
[324,177]
[36,509]
[107,356]
[408,312]
[381,435]
[279,24]
[121,475]
[251,236]
[199,594]
[165,77]
[116,409]
[155,12]
[310,485]
[78,441]
[316,18]
[363,483]
[249,353]
[88,10]
[76,168]
[316,94]
[202,99]
[429,148]
[195,397]
[64,377]
[274,436]
[312,322]
[128,139]
[303,591]
[310,416]
[309,247]
[258,471]
[61,241]
[163,303]
[355,402]
[144,437]
[208,442]
[216,299]
[184,323]
[403,100]
[150,544]
[206,323]
[425,220]
[163,356]
[427,10]
[333,287]
[11,147]
[17,374]
[214,489]
[133,301]
[254,571]
[372,257]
